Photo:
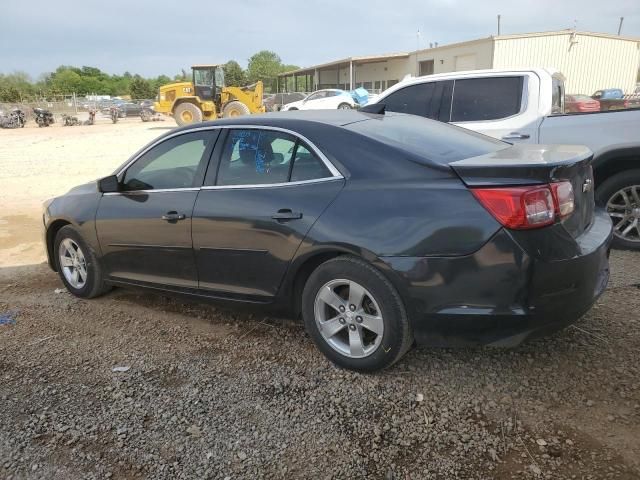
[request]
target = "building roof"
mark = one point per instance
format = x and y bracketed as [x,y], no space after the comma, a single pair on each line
[568,31]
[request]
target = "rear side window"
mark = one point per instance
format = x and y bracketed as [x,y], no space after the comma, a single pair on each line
[262,157]
[435,142]
[493,98]
[307,166]
[430,100]
[255,157]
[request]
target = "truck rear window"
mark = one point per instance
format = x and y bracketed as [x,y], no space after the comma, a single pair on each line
[434,141]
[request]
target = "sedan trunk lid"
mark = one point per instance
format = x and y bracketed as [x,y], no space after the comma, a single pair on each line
[524,164]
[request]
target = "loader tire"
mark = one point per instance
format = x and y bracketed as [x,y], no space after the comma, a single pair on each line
[187,113]
[235,109]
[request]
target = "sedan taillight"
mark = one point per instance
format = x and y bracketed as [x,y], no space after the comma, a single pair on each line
[522,208]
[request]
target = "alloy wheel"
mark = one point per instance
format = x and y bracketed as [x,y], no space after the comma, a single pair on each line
[349,318]
[73,263]
[624,209]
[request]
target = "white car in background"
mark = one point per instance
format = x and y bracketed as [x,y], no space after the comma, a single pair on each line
[328,99]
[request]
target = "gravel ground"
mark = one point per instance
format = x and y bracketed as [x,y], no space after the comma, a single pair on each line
[211,393]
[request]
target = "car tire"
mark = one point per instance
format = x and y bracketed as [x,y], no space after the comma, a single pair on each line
[344,106]
[609,193]
[187,113]
[339,332]
[70,245]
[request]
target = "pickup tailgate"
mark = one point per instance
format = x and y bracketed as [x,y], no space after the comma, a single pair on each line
[524,164]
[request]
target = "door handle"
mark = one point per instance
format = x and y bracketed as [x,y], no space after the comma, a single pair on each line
[173,216]
[516,136]
[286,214]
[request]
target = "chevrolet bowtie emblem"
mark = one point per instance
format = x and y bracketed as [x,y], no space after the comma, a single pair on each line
[587,185]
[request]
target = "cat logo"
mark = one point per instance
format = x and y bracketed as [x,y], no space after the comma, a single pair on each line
[186,89]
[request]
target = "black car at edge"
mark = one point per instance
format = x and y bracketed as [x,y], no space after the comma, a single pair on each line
[380,230]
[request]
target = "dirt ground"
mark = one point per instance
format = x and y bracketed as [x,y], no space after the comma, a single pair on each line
[40,163]
[213,393]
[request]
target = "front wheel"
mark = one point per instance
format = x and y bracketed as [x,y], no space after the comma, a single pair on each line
[344,106]
[235,109]
[187,113]
[77,264]
[620,194]
[355,316]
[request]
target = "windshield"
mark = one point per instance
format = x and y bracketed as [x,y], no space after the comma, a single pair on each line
[203,77]
[434,141]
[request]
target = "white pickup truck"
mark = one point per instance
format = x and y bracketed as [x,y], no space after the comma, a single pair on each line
[528,106]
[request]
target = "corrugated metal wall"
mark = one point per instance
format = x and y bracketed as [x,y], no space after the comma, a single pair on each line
[588,62]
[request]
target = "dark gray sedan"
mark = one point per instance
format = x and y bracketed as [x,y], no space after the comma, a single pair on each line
[380,230]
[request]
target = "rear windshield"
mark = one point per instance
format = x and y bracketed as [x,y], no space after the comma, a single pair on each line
[434,141]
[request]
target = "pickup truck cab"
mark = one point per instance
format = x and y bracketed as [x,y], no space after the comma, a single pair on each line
[527,106]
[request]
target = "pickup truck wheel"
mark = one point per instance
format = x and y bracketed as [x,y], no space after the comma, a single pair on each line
[620,194]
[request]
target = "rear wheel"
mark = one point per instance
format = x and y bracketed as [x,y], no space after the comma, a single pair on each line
[344,106]
[187,113]
[235,109]
[77,264]
[620,194]
[355,316]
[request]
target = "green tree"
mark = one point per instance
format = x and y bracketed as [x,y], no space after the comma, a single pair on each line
[234,76]
[66,81]
[141,88]
[264,65]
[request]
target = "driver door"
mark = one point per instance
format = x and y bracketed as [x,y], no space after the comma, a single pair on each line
[144,229]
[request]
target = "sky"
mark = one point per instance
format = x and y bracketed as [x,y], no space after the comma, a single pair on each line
[153,37]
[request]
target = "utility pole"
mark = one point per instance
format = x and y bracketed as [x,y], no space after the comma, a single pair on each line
[417,48]
[620,26]
[498,24]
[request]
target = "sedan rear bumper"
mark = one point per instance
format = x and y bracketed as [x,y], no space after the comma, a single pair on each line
[511,290]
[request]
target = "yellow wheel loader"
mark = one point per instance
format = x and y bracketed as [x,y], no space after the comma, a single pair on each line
[207,98]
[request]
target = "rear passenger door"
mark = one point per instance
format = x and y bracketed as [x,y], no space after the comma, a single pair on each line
[260,198]
[496,106]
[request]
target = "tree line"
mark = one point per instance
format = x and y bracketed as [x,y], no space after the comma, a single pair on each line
[67,80]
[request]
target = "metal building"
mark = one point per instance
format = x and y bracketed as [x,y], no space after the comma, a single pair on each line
[589,61]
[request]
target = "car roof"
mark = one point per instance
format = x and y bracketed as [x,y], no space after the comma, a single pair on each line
[288,119]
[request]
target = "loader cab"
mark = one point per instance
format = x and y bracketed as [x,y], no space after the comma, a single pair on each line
[208,80]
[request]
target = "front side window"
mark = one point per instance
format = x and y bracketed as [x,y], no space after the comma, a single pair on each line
[174,163]
[263,157]
[316,96]
[431,100]
[492,98]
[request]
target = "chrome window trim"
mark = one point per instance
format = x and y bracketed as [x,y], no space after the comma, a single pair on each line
[266,185]
[159,190]
[332,169]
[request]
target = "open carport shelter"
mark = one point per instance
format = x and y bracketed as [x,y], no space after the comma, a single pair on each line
[373,72]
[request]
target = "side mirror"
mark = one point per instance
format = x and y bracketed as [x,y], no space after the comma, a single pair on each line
[108,184]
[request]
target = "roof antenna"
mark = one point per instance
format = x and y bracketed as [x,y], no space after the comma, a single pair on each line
[498,24]
[620,26]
